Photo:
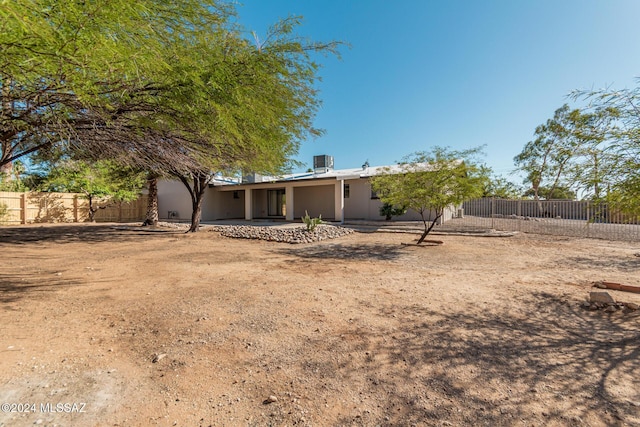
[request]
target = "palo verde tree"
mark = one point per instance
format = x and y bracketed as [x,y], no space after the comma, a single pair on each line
[430,182]
[103,183]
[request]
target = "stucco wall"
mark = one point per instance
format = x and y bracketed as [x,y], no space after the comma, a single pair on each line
[315,200]
[222,205]
[173,196]
[356,206]
[360,205]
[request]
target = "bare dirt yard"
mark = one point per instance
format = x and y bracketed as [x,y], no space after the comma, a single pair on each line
[120,326]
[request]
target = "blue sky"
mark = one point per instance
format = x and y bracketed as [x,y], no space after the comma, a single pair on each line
[457,73]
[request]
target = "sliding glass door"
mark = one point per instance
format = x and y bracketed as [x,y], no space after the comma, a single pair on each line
[276,203]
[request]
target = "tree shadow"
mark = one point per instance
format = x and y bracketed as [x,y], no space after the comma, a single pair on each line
[78,233]
[14,287]
[629,264]
[51,208]
[551,364]
[344,251]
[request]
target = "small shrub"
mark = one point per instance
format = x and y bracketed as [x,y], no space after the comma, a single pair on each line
[311,223]
[388,211]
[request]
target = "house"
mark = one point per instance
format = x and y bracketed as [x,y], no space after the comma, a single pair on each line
[337,195]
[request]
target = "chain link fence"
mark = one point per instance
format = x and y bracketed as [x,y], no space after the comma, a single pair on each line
[556,217]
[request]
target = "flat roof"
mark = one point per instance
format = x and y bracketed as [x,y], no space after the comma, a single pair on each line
[354,173]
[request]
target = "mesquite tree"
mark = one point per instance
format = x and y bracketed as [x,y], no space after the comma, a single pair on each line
[430,182]
[163,86]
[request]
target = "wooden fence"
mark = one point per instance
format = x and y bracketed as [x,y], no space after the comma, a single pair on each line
[26,208]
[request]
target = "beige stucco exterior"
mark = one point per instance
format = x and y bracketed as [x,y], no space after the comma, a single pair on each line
[334,199]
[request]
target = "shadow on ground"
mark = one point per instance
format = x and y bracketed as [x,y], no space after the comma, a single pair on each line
[628,264]
[77,233]
[31,285]
[376,252]
[554,364]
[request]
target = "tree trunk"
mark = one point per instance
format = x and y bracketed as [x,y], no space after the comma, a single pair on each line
[536,197]
[200,182]
[7,169]
[92,211]
[196,213]
[152,202]
[6,149]
[429,227]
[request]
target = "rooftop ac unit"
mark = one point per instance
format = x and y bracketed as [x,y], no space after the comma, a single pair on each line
[251,178]
[322,164]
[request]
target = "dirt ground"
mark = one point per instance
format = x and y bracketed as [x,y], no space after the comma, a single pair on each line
[123,327]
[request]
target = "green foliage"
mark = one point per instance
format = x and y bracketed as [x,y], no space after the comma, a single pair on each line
[388,211]
[432,181]
[103,183]
[16,181]
[4,212]
[498,186]
[558,193]
[311,223]
[105,75]
[617,163]
[174,87]
[570,152]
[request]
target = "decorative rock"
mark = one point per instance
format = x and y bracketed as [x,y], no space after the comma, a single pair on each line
[600,285]
[611,309]
[601,297]
[279,234]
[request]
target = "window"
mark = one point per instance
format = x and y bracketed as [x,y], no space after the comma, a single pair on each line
[236,195]
[374,195]
[346,191]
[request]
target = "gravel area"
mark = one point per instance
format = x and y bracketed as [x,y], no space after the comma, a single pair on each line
[282,234]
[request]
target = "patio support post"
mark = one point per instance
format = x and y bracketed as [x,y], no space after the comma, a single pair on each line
[339,201]
[248,204]
[288,195]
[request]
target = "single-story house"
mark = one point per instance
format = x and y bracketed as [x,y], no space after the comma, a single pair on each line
[337,195]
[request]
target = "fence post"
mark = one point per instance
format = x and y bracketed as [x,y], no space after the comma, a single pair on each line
[492,213]
[75,208]
[23,208]
[588,216]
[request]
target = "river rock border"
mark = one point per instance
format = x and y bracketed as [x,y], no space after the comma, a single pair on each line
[282,234]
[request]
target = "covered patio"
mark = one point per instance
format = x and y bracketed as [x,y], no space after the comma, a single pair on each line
[290,200]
